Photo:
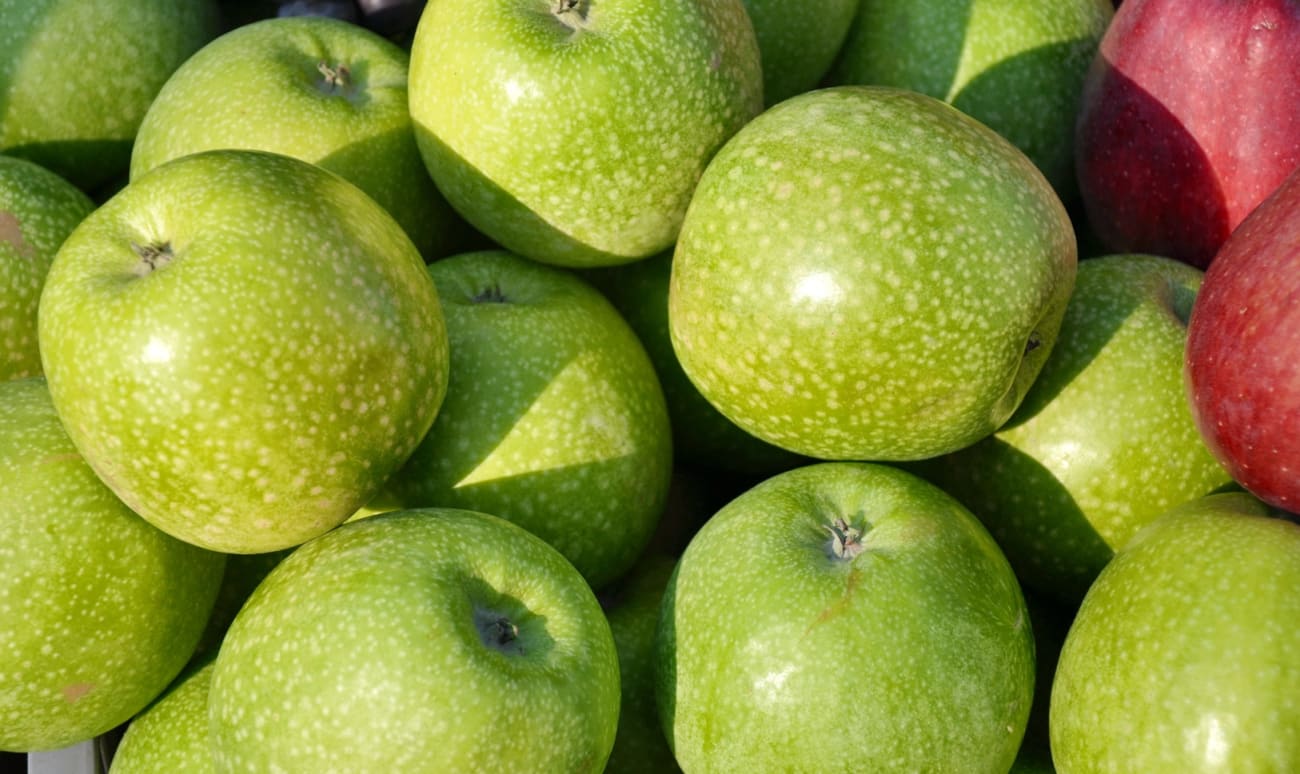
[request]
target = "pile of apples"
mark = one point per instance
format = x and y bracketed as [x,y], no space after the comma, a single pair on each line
[651,385]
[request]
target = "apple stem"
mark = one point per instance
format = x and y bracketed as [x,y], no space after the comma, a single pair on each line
[337,77]
[846,540]
[152,256]
[572,13]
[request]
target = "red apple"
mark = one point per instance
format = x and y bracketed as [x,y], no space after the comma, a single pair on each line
[1190,117]
[1243,351]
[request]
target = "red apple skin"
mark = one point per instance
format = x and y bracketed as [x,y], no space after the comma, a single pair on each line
[1243,351]
[1190,117]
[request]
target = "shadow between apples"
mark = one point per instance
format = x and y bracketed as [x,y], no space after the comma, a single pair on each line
[1051,545]
[1035,72]
[515,226]
[1143,177]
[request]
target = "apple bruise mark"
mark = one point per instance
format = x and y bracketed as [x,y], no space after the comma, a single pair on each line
[153,256]
[572,13]
[76,691]
[498,632]
[11,232]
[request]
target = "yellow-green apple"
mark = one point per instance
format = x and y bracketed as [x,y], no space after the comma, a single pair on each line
[869,273]
[1243,351]
[1016,65]
[1185,655]
[430,640]
[244,346]
[1190,117]
[76,77]
[98,609]
[553,418]
[574,131]
[1104,442]
[171,734]
[38,209]
[844,617]
[315,88]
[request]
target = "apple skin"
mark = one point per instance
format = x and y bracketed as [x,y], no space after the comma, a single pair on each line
[1016,65]
[314,88]
[1184,655]
[171,734]
[383,630]
[98,609]
[701,435]
[776,654]
[77,115]
[554,417]
[798,42]
[1104,441]
[579,145]
[1190,117]
[868,273]
[38,209]
[632,607]
[261,383]
[1243,351]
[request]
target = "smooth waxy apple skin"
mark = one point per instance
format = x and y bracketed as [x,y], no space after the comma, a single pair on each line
[76,77]
[1104,442]
[171,734]
[867,273]
[314,88]
[394,628]
[98,609]
[797,42]
[1243,351]
[574,132]
[554,416]
[1183,656]
[1016,65]
[38,209]
[701,435]
[281,360]
[777,653]
[1190,117]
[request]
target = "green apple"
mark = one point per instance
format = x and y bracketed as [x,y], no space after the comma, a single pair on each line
[98,609]
[798,42]
[844,617]
[242,575]
[436,640]
[38,209]
[574,131]
[701,435]
[76,76]
[244,346]
[171,734]
[314,88]
[868,273]
[1016,65]
[1104,442]
[553,419]
[1185,655]
[632,608]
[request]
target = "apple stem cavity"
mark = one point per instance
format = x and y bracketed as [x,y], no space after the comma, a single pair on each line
[571,13]
[846,540]
[153,256]
[336,78]
[490,295]
[498,632]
